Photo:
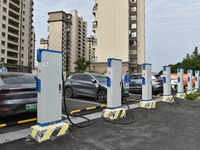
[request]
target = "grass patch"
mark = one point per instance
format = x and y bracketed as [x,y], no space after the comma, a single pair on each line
[194,96]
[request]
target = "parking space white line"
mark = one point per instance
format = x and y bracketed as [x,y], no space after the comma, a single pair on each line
[79,100]
[12,136]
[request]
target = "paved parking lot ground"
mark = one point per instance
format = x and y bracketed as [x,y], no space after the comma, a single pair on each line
[164,128]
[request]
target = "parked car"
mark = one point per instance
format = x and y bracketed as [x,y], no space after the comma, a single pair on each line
[87,84]
[135,84]
[17,93]
[174,84]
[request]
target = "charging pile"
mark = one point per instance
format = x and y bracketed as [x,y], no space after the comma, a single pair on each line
[49,94]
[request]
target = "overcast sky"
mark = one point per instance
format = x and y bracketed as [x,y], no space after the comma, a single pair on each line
[172,27]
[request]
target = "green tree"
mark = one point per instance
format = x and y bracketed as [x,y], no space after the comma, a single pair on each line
[1,64]
[82,65]
[189,62]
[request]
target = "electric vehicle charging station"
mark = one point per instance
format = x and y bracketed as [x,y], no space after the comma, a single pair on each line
[196,80]
[114,109]
[49,96]
[168,97]
[180,92]
[190,81]
[147,101]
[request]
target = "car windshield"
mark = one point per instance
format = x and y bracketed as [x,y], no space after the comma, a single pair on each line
[18,79]
[100,78]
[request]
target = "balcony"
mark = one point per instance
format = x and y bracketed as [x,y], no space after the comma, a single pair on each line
[14,8]
[95,24]
[9,61]
[15,2]
[95,8]
[14,24]
[12,39]
[12,55]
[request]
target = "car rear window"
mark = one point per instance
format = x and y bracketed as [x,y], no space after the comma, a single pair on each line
[18,79]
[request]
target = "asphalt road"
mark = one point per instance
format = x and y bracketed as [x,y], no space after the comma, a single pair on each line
[165,128]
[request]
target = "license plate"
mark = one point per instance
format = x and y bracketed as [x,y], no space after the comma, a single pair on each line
[31,106]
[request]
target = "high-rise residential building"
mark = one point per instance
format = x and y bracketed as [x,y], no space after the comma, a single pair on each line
[119,29]
[44,44]
[68,33]
[90,50]
[17,35]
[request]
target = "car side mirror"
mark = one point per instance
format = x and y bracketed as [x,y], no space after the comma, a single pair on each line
[93,80]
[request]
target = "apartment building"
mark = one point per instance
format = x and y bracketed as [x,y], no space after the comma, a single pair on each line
[68,33]
[90,50]
[44,44]
[119,29]
[17,35]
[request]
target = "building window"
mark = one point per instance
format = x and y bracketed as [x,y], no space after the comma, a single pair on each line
[22,62]
[4,17]
[133,69]
[3,26]
[133,1]
[3,34]
[133,17]
[133,34]
[23,12]
[24,5]
[2,51]
[23,19]
[22,55]
[133,52]
[22,33]
[22,48]
[133,43]
[133,60]
[3,42]
[23,26]
[5,1]
[133,9]
[133,26]
[4,9]
[23,41]
[2,59]
[94,43]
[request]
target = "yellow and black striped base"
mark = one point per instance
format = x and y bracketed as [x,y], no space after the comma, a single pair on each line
[190,92]
[168,99]
[41,134]
[180,95]
[114,114]
[148,104]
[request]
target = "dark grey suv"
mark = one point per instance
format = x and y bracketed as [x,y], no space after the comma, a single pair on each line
[87,84]
[135,85]
[17,93]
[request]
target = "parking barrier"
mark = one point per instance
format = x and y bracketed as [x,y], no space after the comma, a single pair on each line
[17,122]
[87,109]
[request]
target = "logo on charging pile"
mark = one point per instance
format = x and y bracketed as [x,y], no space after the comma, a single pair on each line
[45,64]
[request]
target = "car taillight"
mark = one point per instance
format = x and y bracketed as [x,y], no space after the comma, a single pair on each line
[8,91]
[158,81]
[4,109]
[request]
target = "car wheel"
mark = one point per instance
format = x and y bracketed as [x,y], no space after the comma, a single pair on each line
[68,92]
[102,96]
